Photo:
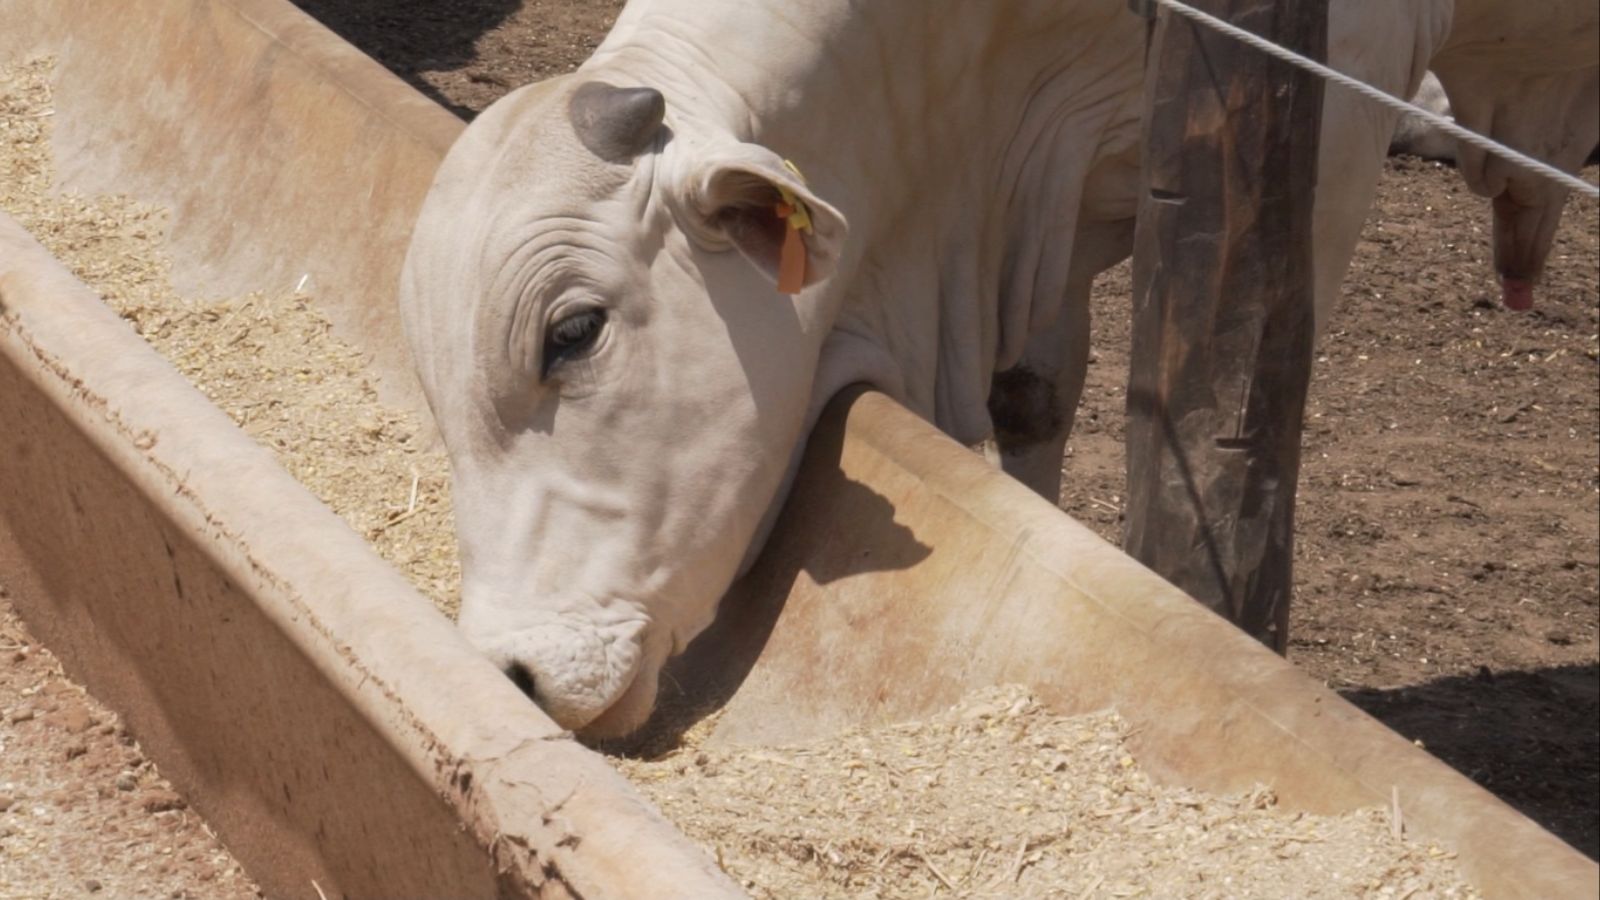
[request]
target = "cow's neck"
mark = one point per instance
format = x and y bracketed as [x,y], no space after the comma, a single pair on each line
[955,137]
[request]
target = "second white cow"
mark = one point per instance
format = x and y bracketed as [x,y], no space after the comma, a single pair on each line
[1528,76]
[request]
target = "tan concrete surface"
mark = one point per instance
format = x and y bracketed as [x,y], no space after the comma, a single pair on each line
[334,727]
[281,151]
[906,573]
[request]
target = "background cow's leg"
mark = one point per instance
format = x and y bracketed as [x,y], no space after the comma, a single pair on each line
[1349,161]
[1388,46]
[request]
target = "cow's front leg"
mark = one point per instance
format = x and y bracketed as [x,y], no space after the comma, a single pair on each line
[1033,403]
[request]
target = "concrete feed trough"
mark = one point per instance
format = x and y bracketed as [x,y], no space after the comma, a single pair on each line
[331,724]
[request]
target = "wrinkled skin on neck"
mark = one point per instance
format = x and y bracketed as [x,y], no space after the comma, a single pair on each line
[601,501]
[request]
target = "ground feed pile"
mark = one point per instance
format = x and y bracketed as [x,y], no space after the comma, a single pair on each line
[995,798]
[269,360]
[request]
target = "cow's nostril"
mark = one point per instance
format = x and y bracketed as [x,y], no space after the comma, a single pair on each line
[521,677]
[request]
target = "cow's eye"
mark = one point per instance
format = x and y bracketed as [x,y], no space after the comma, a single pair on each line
[571,336]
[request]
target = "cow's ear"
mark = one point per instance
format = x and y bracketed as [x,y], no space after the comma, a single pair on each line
[750,199]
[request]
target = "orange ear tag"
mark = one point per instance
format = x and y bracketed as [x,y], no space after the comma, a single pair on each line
[792,257]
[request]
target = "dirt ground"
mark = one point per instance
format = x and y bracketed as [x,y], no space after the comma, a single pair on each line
[1448,538]
[466,53]
[74,780]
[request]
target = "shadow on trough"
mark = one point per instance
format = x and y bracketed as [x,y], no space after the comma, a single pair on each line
[1531,738]
[715,665]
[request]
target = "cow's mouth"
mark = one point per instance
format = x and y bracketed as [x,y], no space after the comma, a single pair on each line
[582,713]
[576,672]
[609,697]
[633,705]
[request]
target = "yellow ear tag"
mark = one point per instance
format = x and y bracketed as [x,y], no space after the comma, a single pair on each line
[792,258]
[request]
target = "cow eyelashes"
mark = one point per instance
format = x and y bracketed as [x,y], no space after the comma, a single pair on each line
[571,337]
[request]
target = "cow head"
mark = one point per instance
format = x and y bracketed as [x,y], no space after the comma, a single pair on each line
[589,297]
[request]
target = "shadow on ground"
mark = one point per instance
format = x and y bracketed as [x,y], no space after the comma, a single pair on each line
[465,54]
[1531,738]
[411,37]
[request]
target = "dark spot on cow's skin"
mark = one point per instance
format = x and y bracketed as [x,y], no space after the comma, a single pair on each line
[1023,407]
[521,677]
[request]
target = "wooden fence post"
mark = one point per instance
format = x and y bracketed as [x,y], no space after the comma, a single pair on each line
[1222,304]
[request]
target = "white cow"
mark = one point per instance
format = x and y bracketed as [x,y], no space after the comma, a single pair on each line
[1417,136]
[590,290]
[590,293]
[1525,220]
[1527,75]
